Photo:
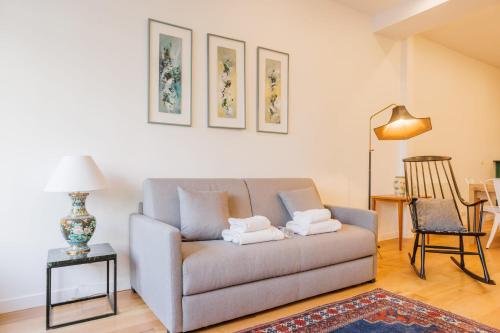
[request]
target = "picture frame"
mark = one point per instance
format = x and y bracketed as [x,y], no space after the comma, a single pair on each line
[169,74]
[226,96]
[272,91]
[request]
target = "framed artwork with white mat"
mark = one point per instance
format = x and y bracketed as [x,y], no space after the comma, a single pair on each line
[170,74]
[226,82]
[272,91]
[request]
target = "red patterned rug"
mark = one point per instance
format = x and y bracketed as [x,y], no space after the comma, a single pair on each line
[376,311]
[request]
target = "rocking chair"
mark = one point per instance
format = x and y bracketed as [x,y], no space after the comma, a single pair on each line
[432,177]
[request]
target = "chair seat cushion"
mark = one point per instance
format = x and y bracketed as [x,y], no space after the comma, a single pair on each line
[438,215]
[211,265]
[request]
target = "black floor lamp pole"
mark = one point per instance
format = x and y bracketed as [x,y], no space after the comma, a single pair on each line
[370,149]
[370,177]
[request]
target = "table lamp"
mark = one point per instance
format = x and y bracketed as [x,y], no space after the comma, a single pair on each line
[401,126]
[77,175]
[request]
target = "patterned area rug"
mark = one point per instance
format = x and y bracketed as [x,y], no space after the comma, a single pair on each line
[376,311]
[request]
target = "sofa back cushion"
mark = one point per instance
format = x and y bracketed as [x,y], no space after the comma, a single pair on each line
[264,196]
[204,214]
[161,200]
[300,200]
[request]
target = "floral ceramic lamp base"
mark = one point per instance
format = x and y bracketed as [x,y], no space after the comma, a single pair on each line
[78,227]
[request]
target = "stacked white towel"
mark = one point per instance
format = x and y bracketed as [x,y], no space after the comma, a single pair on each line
[312,216]
[313,221]
[250,224]
[314,228]
[242,238]
[255,229]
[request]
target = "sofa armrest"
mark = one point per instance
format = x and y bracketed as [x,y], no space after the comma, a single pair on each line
[363,218]
[367,219]
[156,268]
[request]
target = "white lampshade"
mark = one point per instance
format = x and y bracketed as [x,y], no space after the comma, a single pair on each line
[76,174]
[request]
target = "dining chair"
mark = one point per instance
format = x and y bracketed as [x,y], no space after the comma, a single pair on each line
[493,207]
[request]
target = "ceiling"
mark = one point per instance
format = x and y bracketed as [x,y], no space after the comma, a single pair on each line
[371,7]
[475,34]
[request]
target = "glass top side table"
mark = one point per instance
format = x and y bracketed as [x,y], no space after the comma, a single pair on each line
[59,258]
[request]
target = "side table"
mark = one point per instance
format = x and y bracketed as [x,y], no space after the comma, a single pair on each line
[400,200]
[59,258]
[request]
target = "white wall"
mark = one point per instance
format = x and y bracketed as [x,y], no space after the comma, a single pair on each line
[74,81]
[462,96]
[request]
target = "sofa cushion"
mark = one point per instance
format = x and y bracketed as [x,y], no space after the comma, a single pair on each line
[300,200]
[265,199]
[211,265]
[204,214]
[161,201]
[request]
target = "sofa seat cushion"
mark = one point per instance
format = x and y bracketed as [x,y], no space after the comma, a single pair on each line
[215,264]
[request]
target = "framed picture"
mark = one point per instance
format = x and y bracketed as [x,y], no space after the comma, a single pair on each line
[226,82]
[170,66]
[272,91]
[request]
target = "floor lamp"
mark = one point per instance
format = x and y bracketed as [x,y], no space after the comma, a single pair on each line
[401,126]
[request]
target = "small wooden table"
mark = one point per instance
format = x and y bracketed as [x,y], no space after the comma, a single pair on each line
[400,200]
[476,192]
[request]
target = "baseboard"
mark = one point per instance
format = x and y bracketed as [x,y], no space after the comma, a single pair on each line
[392,235]
[38,299]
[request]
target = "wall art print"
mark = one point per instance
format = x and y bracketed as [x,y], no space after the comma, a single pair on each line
[272,95]
[226,82]
[170,74]
[170,49]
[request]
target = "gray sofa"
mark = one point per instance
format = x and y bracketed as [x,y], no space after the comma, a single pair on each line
[189,285]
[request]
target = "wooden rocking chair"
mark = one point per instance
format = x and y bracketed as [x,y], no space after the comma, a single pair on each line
[432,177]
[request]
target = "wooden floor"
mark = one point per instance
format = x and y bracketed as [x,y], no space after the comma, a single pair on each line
[446,287]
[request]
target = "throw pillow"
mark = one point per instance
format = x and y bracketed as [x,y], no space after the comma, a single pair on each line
[300,200]
[204,214]
[438,215]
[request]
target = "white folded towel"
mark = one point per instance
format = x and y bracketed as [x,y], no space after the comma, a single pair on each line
[312,216]
[242,238]
[250,224]
[314,228]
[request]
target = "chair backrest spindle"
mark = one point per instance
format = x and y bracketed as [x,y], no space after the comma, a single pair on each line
[432,180]
[418,182]
[451,189]
[423,179]
[411,179]
[439,180]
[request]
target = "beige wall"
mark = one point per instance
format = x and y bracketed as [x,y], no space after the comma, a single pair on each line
[462,96]
[74,81]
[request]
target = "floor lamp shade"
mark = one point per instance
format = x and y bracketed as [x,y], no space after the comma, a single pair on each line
[402,125]
[76,174]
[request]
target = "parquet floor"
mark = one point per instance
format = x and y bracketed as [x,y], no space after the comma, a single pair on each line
[446,287]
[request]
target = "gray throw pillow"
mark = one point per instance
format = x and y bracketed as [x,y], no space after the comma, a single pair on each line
[300,200]
[438,215]
[204,214]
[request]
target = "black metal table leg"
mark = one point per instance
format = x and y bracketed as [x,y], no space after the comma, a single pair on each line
[48,301]
[115,303]
[107,277]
